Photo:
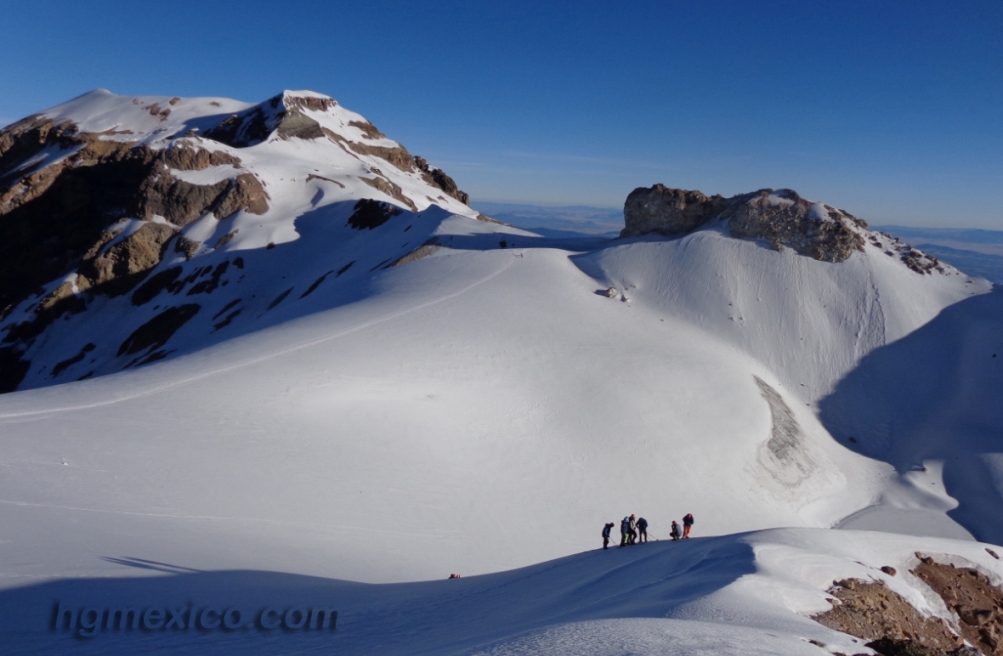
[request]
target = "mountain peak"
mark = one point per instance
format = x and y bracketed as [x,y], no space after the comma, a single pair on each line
[780,217]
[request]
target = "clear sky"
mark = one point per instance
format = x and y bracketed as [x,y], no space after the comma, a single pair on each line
[891,110]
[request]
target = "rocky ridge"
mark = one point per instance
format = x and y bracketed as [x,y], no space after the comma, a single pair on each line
[98,193]
[780,217]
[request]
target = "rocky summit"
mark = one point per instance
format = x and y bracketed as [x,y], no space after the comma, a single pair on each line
[108,194]
[780,217]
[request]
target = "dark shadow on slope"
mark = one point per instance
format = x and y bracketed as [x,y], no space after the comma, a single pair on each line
[430,617]
[142,563]
[935,395]
[265,280]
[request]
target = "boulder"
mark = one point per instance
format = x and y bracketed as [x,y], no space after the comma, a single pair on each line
[663,210]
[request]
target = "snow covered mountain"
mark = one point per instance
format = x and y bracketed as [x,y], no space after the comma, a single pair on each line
[111,205]
[302,351]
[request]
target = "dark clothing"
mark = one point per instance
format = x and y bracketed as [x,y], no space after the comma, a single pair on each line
[642,530]
[605,535]
[687,524]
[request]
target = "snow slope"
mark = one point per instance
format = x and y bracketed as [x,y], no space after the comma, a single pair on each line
[737,594]
[484,405]
[443,411]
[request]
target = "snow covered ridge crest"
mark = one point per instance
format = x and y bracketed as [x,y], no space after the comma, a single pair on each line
[96,193]
[780,217]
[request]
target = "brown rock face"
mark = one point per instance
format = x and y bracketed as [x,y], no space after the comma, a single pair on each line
[667,211]
[976,601]
[439,178]
[874,612]
[58,219]
[870,610]
[785,219]
[127,262]
[781,217]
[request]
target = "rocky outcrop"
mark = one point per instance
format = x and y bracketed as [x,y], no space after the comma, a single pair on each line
[390,189]
[370,214]
[63,215]
[872,611]
[666,211]
[784,219]
[120,267]
[439,178]
[85,214]
[281,115]
[781,217]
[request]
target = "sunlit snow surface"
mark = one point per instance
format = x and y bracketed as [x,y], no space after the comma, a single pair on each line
[488,407]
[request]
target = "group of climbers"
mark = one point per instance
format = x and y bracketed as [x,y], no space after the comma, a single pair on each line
[634,529]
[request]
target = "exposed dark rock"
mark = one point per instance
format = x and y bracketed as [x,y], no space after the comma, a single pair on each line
[396,155]
[668,211]
[439,178]
[243,193]
[371,213]
[311,176]
[919,261]
[182,202]
[154,333]
[222,241]
[56,218]
[390,189]
[184,155]
[873,612]
[258,123]
[368,129]
[242,130]
[188,247]
[122,266]
[300,126]
[781,218]
[423,251]
[893,647]
[970,594]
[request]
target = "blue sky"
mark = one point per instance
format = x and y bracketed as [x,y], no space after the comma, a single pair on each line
[890,110]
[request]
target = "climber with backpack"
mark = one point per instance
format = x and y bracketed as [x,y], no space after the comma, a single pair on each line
[624,531]
[676,533]
[687,524]
[642,530]
[605,535]
[633,529]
